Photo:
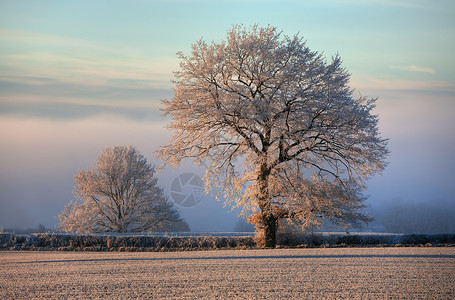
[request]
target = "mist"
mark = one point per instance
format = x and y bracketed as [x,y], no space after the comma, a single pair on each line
[40,158]
[41,154]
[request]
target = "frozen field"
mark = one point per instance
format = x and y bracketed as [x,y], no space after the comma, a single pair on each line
[414,273]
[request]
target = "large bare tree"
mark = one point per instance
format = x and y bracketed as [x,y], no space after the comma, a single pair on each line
[279,127]
[118,194]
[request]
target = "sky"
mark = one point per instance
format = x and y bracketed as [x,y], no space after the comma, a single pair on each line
[79,76]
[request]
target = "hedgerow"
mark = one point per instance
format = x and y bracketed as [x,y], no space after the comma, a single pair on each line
[95,242]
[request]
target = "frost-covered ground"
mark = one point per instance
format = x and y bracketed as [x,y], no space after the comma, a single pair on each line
[413,273]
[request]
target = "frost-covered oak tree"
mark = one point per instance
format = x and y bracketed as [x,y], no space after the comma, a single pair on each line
[279,128]
[118,194]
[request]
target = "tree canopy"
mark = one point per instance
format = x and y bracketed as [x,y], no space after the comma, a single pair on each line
[282,133]
[118,194]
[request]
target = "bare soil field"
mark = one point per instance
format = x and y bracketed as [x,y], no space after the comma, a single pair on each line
[333,273]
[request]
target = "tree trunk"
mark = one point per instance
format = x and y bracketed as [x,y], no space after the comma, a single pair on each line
[269,221]
[270,227]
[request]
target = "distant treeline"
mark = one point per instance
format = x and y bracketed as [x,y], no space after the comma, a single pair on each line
[39,229]
[180,226]
[400,216]
[93,242]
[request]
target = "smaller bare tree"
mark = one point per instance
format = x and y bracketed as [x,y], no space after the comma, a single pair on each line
[119,194]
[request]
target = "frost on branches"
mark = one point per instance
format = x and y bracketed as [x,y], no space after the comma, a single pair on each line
[119,194]
[283,134]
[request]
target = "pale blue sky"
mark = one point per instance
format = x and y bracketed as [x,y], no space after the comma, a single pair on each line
[78,76]
[382,39]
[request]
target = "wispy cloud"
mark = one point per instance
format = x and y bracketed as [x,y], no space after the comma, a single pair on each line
[59,77]
[52,99]
[414,68]
[73,111]
[367,84]
[81,61]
